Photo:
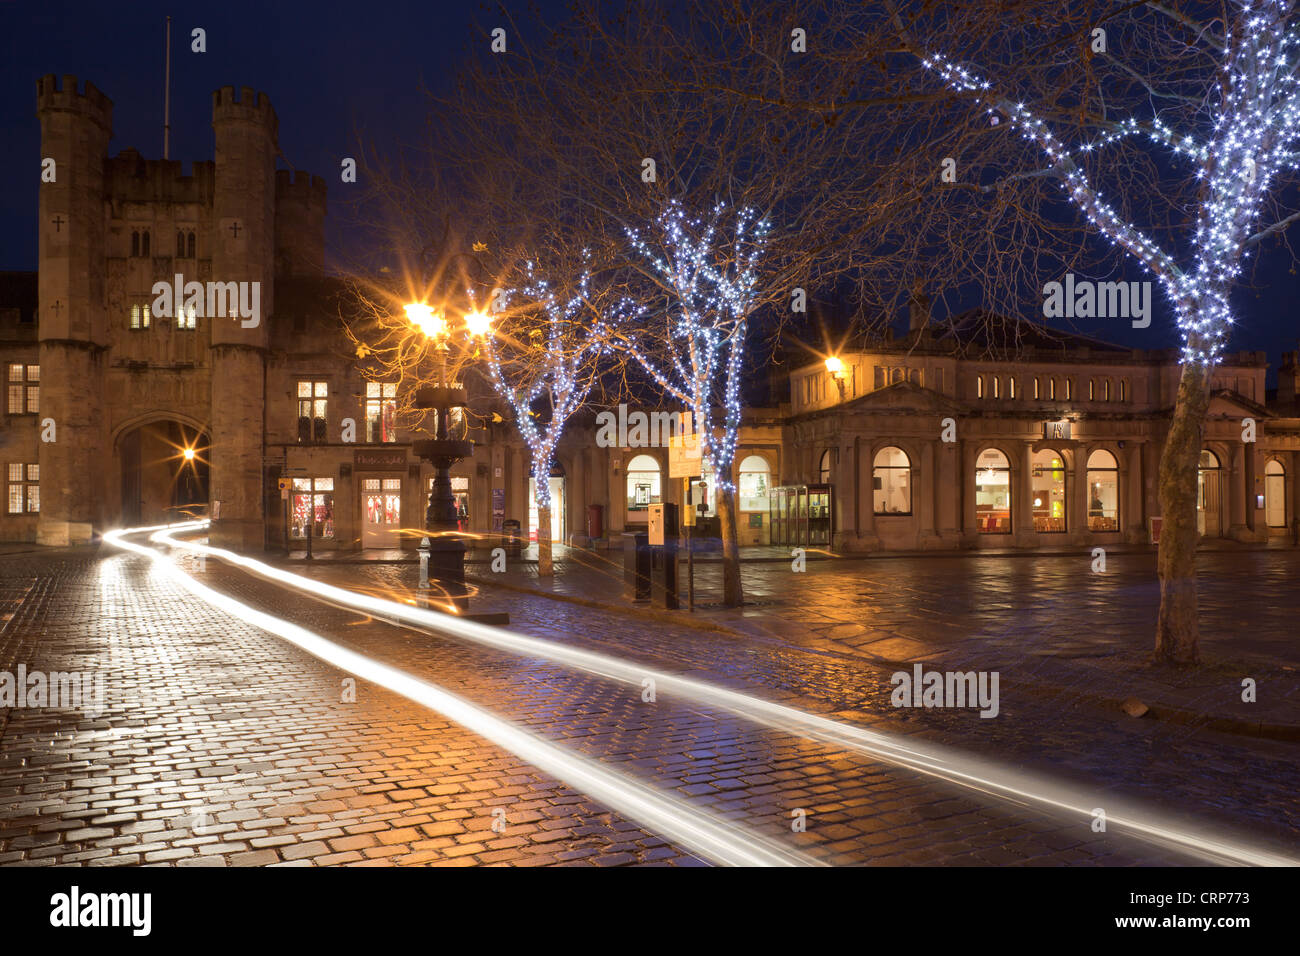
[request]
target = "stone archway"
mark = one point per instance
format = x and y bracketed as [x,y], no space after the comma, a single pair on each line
[163,472]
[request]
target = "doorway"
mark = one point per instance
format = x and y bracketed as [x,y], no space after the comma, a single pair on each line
[1208,497]
[381,512]
[557,509]
[163,468]
[1275,494]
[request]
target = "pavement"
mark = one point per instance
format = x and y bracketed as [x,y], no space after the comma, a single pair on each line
[223,745]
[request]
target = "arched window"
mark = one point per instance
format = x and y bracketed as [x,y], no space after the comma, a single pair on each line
[753,486]
[1051,389]
[1105,391]
[1011,387]
[1047,482]
[1123,390]
[997,386]
[1275,494]
[1069,389]
[135,243]
[1103,491]
[979,386]
[643,488]
[1036,395]
[1092,390]
[144,243]
[992,492]
[891,482]
[190,246]
[180,244]
[824,468]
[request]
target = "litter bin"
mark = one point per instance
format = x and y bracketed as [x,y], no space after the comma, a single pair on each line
[511,538]
[636,566]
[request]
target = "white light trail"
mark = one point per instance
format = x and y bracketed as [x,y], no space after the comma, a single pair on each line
[689,826]
[969,772]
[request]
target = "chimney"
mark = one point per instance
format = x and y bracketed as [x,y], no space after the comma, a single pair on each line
[918,308]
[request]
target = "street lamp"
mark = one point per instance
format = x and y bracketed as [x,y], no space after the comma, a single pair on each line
[835,366]
[446,550]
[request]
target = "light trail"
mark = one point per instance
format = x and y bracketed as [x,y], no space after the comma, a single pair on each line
[966,771]
[699,830]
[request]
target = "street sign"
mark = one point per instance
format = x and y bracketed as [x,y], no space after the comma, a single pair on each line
[684,449]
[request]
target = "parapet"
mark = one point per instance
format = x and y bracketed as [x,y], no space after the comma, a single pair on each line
[91,103]
[251,106]
[299,187]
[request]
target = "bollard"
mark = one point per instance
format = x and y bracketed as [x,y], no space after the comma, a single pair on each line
[424,563]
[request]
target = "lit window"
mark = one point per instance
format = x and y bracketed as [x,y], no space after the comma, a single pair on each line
[24,488]
[140,316]
[24,389]
[643,484]
[186,316]
[1092,390]
[1103,492]
[1036,395]
[312,507]
[312,402]
[1011,387]
[992,493]
[1047,484]
[891,482]
[381,411]
[1069,389]
[1105,391]
[754,484]
[979,386]
[1051,389]
[1123,390]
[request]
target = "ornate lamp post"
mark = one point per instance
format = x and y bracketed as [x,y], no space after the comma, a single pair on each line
[447,401]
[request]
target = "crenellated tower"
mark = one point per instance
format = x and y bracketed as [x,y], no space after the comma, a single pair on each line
[299,223]
[243,252]
[75,130]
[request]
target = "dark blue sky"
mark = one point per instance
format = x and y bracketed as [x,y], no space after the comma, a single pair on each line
[331,69]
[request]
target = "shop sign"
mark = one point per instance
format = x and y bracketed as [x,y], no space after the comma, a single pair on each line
[1057,430]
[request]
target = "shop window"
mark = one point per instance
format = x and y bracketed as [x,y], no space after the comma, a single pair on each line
[643,484]
[24,389]
[24,488]
[1047,484]
[754,484]
[459,494]
[381,411]
[992,493]
[313,506]
[1103,492]
[891,482]
[312,402]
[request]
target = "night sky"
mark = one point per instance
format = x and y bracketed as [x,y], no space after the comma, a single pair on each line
[334,70]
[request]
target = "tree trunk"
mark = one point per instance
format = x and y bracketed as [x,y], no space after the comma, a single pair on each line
[732,593]
[1177,631]
[544,566]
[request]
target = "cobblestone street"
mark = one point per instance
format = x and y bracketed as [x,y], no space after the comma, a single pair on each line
[221,744]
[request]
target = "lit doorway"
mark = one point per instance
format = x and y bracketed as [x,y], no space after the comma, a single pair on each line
[381,512]
[1207,495]
[1275,494]
[163,468]
[557,509]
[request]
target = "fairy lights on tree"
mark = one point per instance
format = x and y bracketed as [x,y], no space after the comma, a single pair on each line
[1250,138]
[544,351]
[705,285]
